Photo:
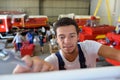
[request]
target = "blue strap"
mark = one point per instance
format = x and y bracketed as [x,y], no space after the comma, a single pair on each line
[60,61]
[81,59]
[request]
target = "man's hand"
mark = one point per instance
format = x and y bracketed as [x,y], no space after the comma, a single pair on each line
[34,64]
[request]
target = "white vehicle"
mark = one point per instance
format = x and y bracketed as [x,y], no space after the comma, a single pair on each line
[71,15]
[104,73]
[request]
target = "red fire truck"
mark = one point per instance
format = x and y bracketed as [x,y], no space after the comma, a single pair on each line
[5,26]
[24,21]
[83,19]
[11,20]
[80,19]
[95,33]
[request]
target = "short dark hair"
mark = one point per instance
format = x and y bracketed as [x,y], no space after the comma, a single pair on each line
[64,22]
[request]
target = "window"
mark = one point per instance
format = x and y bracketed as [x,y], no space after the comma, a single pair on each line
[17,20]
[1,21]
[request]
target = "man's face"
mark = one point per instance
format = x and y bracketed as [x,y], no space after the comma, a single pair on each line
[67,38]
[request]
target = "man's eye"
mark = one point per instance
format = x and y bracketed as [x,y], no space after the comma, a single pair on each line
[61,37]
[72,36]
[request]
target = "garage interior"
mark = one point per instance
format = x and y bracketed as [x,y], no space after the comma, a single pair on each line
[53,8]
[108,12]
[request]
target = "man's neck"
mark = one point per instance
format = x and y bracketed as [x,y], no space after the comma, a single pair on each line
[71,56]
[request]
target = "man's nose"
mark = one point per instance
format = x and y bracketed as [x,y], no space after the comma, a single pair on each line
[67,40]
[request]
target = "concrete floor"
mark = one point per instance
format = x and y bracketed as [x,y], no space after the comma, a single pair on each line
[7,68]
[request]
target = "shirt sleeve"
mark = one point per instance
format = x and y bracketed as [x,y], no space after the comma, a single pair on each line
[90,47]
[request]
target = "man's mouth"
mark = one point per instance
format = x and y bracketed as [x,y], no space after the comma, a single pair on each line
[68,47]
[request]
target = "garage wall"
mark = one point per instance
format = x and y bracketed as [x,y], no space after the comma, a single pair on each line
[29,6]
[53,8]
[102,12]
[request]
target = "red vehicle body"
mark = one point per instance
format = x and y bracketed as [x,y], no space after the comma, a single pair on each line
[18,20]
[113,37]
[82,19]
[38,21]
[5,23]
[5,27]
[95,33]
[21,20]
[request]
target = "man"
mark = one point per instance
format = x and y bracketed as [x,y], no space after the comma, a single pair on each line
[17,41]
[30,36]
[48,34]
[72,54]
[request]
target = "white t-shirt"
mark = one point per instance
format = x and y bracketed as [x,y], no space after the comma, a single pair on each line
[90,51]
[17,39]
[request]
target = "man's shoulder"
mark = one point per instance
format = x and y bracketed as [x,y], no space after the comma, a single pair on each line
[88,41]
[51,57]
